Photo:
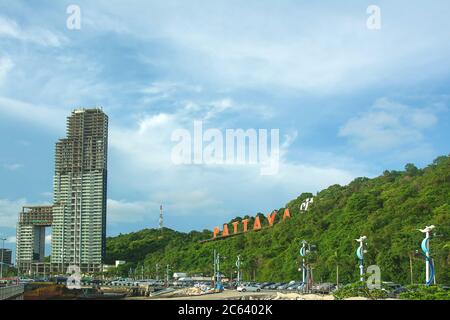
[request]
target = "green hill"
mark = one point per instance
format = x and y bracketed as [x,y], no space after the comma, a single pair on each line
[388,210]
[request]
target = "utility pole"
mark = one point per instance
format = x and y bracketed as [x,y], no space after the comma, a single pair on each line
[157,272]
[337,269]
[429,265]
[218,268]
[167,275]
[238,265]
[217,276]
[215,268]
[1,265]
[360,254]
[411,268]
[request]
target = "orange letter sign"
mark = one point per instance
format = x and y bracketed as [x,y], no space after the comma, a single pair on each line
[225,232]
[286,214]
[216,231]
[257,224]
[245,222]
[271,218]
[235,226]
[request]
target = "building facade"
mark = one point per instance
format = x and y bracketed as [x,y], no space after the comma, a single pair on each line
[6,256]
[30,235]
[78,214]
[80,191]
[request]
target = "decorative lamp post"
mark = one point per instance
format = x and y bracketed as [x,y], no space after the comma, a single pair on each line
[425,246]
[360,254]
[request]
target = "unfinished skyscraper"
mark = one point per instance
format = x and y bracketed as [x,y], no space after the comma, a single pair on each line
[79,211]
[30,237]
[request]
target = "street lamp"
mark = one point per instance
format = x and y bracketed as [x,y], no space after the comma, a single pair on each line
[167,274]
[238,266]
[1,265]
[303,252]
[157,272]
[360,254]
[425,246]
[307,277]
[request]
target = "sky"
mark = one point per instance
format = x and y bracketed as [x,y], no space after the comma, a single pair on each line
[348,100]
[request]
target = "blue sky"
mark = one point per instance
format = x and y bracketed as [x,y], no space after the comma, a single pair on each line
[348,101]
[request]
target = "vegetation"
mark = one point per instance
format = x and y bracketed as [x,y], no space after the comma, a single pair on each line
[388,209]
[423,292]
[359,289]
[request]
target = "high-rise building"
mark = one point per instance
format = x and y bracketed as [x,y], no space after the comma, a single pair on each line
[5,256]
[79,210]
[30,235]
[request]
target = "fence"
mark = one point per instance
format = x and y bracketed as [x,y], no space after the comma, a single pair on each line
[11,291]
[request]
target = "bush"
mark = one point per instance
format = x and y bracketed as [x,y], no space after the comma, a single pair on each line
[359,289]
[423,292]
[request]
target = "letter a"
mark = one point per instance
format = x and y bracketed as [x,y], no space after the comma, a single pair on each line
[286,214]
[374,20]
[257,224]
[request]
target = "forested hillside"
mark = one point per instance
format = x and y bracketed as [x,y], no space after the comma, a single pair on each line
[388,210]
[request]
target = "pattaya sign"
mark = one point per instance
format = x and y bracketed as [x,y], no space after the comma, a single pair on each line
[244,223]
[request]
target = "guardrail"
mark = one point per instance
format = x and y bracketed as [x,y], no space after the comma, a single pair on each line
[11,291]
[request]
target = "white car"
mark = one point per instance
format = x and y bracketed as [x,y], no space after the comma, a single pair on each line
[25,280]
[248,287]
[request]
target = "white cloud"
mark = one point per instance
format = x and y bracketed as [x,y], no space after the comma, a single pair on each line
[48,239]
[12,166]
[388,125]
[6,65]
[10,29]
[142,155]
[11,239]
[299,46]
[9,212]
[43,116]
[120,211]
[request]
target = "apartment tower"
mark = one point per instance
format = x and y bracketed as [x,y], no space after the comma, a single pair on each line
[79,186]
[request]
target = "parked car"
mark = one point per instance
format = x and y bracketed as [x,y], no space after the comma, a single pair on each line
[300,287]
[122,283]
[25,280]
[283,286]
[392,289]
[274,286]
[266,285]
[323,288]
[248,287]
[97,282]
[294,286]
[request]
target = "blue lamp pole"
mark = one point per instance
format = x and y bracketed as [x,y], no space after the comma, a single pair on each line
[425,246]
[360,254]
[303,252]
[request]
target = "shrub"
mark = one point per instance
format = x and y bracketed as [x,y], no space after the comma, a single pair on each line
[359,289]
[423,292]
